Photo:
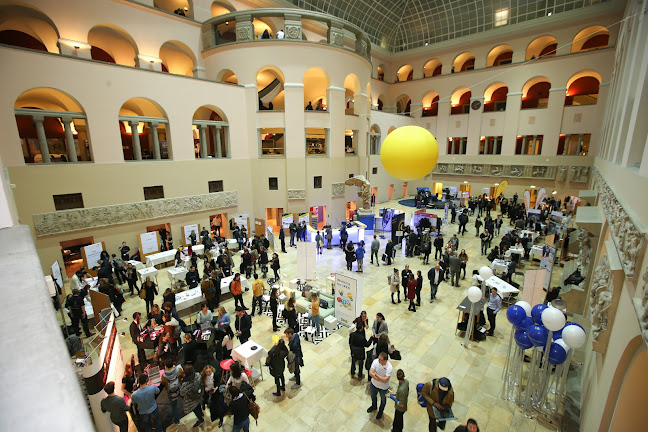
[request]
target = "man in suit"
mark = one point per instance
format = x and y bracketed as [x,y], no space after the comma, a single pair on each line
[435,275]
[243,324]
[282,238]
[455,269]
[463,221]
[135,330]
[438,246]
[405,278]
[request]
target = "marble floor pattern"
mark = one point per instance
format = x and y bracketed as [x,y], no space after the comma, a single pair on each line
[330,400]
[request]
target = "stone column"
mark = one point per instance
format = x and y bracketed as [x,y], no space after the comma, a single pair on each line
[554,117]
[292,27]
[580,142]
[156,140]
[535,144]
[474,125]
[244,28]
[203,141]
[416,110]
[42,139]
[69,140]
[217,141]
[511,119]
[137,149]
[566,147]
[443,120]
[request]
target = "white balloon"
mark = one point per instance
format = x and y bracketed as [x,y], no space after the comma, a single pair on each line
[485,272]
[474,294]
[563,344]
[526,306]
[553,319]
[574,336]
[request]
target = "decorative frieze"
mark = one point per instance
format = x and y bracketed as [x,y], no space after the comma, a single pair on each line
[641,307]
[296,194]
[338,190]
[546,172]
[562,173]
[600,297]
[96,217]
[579,174]
[627,236]
[477,169]
[516,170]
[459,169]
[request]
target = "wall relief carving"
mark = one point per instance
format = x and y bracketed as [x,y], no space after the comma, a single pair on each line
[517,171]
[642,309]
[338,190]
[95,217]
[562,173]
[443,168]
[296,194]
[459,169]
[579,174]
[601,297]
[293,32]
[477,169]
[539,171]
[496,170]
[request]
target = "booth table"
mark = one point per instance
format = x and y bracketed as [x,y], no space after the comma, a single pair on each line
[526,233]
[177,274]
[500,266]
[148,271]
[355,234]
[137,264]
[225,283]
[536,252]
[248,356]
[160,257]
[189,298]
[232,244]
[464,308]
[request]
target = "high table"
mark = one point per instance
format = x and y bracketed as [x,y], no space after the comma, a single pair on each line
[248,356]
[166,256]
[148,271]
[225,283]
[500,266]
[533,234]
[536,252]
[464,308]
[137,264]
[177,274]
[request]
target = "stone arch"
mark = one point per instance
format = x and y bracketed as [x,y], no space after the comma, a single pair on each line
[590,38]
[114,41]
[177,58]
[432,68]
[501,54]
[463,62]
[221,7]
[227,76]
[270,86]
[543,46]
[27,27]
[316,83]
[405,73]
[146,139]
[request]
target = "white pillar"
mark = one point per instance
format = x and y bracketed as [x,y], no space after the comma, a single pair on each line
[566,147]
[580,143]
[217,141]
[42,139]
[156,140]
[137,149]
[69,139]
[203,141]
[535,145]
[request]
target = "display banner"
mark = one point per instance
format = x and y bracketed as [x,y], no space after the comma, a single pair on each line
[150,243]
[186,232]
[398,225]
[388,214]
[286,220]
[542,194]
[527,200]
[546,262]
[348,298]
[93,254]
[56,274]
[242,221]
[304,217]
[306,256]
[500,188]
[271,238]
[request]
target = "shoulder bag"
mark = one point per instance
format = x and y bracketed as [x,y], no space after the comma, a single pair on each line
[254,409]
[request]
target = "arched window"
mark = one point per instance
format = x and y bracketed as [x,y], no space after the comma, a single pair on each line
[316,83]
[430,104]
[535,93]
[583,89]
[143,126]
[351,88]
[405,73]
[460,101]
[52,127]
[179,7]
[500,55]
[432,68]
[270,85]
[374,140]
[211,133]
[380,103]
[403,105]
[380,73]
[464,61]
[591,38]
[177,58]
[495,97]
[544,46]
[25,27]
[391,129]
[112,44]
[227,76]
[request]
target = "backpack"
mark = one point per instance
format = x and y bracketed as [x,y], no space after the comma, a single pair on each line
[419,396]
[174,389]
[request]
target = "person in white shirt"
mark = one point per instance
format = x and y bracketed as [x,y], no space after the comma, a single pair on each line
[280,34]
[380,374]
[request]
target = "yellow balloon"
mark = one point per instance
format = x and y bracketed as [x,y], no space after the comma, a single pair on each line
[409,153]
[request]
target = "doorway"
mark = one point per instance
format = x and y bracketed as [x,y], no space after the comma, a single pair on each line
[273,218]
[390,192]
[350,210]
[72,256]
[318,217]
[220,218]
[374,196]
[259,226]
[404,189]
[166,239]
[437,189]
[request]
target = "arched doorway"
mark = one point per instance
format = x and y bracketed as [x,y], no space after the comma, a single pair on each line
[316,83]
[177,58]
[495,97]
[583,89]
[544,46]
[430,104]
[535,93]
[211,133]
[112,44]
[270,85]
[144,138]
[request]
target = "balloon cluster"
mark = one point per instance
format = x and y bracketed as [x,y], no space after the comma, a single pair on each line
[532,327]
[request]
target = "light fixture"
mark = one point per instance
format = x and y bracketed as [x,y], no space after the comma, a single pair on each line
[532,186]
[186,8]
[465,182]
[554,192]
[549,14]
[496,184]
[426,44]
[226,22]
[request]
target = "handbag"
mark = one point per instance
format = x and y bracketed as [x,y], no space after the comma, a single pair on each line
[384,257]
[291,362]
[142,293]
[254,409]
[395,355]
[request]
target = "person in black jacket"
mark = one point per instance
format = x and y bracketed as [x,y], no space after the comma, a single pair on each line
[135,330]
[389,251]
[405,274]
[282,237]
[358,343]
[435,276]
[239,406]
[471,426]
[243,324]
[150,289]
[438,246]
[192,278]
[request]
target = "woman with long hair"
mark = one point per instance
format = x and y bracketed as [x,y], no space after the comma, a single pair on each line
[237,375]
[290,314]
[274,306]
[275,265]
[227,344]
[277,361]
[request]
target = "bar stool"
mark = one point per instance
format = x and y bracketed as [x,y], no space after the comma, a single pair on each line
[225,366]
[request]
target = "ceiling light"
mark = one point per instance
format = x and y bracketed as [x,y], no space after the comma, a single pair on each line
[465,182]
[554,192]
[426,44]
[549,14]
[496,184]
[532,186]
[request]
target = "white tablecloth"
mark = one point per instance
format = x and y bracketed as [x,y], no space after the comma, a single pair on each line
[137,264]
[247,356]
[225,283]
[232,244]
[147,271]
[160,257]
[536,252]
[500,266]
[177,274]
[187,299]
[526,233]
[503,288]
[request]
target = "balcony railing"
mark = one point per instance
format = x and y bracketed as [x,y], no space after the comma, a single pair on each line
[243,29]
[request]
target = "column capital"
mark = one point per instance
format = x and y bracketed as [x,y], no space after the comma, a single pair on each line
[134,122]
[38,118]
[153,124]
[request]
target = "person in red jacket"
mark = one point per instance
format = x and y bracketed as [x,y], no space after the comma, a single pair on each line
[235,289]
[411,292]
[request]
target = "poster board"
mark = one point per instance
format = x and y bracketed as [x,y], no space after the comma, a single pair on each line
[186,232]
[149,243]
[398,226]
[306,255]
[242,221]
[91,254]
[388,214]
[348,298]
[286,220]
[304,217]
[533,283]
[547,262]
[57,275]
[271,238]
[51,285]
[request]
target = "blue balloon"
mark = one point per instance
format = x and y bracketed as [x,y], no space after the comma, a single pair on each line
[557,354]
[536,313]
[516,315]
[557,334]
[525,325]
[522,339]
[538,335]
[573,323]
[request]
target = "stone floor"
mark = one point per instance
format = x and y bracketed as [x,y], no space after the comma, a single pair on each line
[330,400]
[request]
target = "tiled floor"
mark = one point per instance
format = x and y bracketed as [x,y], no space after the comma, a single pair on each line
[330,400]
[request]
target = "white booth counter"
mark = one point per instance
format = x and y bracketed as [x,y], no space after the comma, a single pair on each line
[166,256]
[356,233]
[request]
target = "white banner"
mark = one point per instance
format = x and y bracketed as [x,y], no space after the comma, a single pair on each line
[306,254]
[542,194]
[286,220]
[242,221]
[546,262]
[186,232]
[93,254]
[348,298]
[149,242]
[304,217]
[527,200]
[56,274]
